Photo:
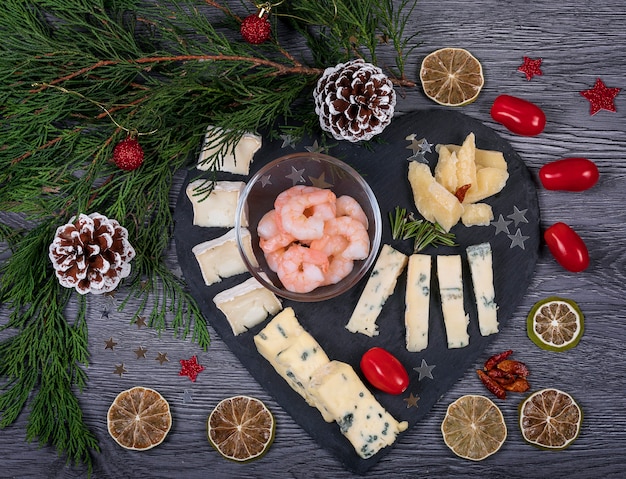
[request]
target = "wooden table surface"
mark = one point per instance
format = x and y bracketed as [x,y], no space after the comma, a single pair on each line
[578,41]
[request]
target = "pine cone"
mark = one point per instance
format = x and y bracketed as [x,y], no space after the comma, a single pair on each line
[91,254]
[354,100]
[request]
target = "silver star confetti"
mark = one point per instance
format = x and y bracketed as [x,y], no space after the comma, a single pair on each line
[296,176]
[425,146]
[265,180]
[314,148]
[518,239]
[502,225]
[425,370]
[415,145]
[518,216]
[288,141]
[187,398]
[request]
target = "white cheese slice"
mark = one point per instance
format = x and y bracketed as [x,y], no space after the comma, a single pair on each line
[481,266]
[417,301]
[450,276]
[218,208]
[338,390]
[380,285]
[220,257]
[236,159]
[247,305]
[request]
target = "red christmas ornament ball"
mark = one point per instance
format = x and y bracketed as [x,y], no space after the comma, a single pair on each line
[255,29]
[128,154]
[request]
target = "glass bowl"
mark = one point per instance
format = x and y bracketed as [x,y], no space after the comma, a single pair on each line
[312,169]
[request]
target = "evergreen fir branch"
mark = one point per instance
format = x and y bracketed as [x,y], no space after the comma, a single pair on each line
[75,77]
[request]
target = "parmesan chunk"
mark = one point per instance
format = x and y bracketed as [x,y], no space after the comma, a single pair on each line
[477,214]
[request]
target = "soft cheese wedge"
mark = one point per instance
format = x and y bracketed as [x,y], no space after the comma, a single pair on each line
[433,201]
[480,261]
[217,209]
[236,158]
[337,389]
[247,305]
[450,277]
[220,257]
[380,285]
[417,300]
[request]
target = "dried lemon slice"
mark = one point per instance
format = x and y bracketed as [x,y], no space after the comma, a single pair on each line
[451,76]
[474,427]
[241,428]
[555,324]
[550,419]
[139,418]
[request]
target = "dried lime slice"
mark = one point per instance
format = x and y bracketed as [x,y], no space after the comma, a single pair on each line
[550,419]
[241,428]
[555,324]
[473,427]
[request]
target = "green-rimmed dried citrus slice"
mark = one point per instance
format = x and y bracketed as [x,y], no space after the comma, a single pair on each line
[473,427]
[555,324]
[139,418]
[451,76]
[550,419]
[241,428]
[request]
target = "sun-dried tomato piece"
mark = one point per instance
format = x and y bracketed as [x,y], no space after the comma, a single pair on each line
[513,367]
[496,358]
[491,385]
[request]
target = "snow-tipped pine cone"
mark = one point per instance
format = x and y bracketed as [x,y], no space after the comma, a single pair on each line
[91,253]
[355,100]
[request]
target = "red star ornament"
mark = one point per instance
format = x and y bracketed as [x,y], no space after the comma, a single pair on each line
[601,97]
[530,67]
[191,368]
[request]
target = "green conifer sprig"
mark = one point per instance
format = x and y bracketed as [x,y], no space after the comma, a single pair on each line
[75,77]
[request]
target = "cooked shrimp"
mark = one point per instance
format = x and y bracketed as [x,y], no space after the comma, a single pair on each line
[273,258]
[338,266]
[354,232]
[302,269]
[326,211]
[293,208]
[348,206]
[267,226]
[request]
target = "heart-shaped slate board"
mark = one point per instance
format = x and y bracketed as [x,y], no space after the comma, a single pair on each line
[514,240]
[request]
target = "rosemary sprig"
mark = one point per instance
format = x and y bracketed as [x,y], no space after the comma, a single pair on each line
[405,226]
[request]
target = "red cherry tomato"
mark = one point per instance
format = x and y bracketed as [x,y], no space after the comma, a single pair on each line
[384,371]
[569,174]
[567,247]
[519,116]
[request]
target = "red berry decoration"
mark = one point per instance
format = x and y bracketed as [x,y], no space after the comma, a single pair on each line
[128,154]
[256,29]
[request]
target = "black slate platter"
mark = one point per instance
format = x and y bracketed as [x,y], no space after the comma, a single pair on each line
[384,165]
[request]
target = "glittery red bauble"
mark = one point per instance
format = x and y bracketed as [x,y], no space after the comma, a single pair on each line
[255,29]
[128,154]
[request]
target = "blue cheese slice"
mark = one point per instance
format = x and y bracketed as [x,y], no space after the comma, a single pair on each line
[480,261]
[247,305]
[339,392]
[450,276]
[218,208]
[236,158]
[417,301]
[380,285]
[278,334]
[220,257]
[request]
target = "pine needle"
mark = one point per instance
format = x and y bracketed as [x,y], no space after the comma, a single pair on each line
[405,226]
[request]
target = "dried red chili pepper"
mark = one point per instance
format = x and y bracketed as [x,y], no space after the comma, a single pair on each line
[513,367]
[461,191]
[502,377]
[497,358]
[491,385]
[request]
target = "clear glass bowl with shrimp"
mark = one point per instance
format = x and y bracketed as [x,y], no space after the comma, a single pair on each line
[314,223]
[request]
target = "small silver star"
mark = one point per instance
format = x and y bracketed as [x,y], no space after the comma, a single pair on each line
[502,225]
[415,145]
[314,148]
[518,216]
[265,180]
[104,314]
[518,239]
[419,157]
[187,398]
[288,141]
[296,176]
[425,370]
[425,146]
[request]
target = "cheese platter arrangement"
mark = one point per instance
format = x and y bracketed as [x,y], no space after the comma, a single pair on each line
[433,310]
